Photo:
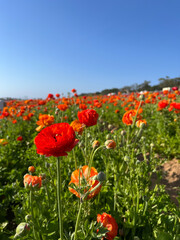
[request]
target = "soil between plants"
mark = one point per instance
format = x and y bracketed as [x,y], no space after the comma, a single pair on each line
[170,178]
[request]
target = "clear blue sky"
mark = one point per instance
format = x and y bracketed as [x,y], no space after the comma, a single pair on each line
[52,46]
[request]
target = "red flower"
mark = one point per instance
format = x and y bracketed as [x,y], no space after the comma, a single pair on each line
[56,140]
[73,90]
[50,96]
[162,104]
[20,138]
[83,106]
[89,117]
[174,88]
[110,223]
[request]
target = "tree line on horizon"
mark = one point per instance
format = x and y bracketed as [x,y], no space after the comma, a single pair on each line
[145,86]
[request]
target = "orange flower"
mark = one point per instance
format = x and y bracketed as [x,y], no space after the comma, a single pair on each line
[44,121]
[31,169]
[110,144]
[83,106]
[62,107]
[33,181]
[110,223]
[77,126]
[140,122]
[3,141]
[128,117]
[84,175]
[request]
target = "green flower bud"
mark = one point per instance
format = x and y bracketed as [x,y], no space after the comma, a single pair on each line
[141,97]
[110,126]
[22,230]
[101,177]
[28,218]
[108,136]
[152,145]
[123,133]
[126,159]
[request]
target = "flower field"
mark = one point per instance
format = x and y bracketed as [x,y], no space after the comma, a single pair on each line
[81,167]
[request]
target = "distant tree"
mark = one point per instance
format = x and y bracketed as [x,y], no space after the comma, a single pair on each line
[145,86]
[169,82]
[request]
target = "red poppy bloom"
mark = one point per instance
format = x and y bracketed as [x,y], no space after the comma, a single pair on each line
[56,140]
[83,106]
[110,223]
[73,90]
[20,138]
[84,174]
[174,88]
[89,117]
[162,104]
[50,96]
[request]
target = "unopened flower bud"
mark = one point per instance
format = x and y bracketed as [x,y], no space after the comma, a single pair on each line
[152,145]
[143,138]
[22,230]
[110,144]
[28,218]
[31,169]
[123,133]
[141,97]
[126,159]
[108,136]
[110,126]
[95,144]
[142,125]
[101,177]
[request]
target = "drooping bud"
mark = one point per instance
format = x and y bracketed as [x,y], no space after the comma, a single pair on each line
[123,133]
[110,126]
[101,177]
[126,159]
[96,144]
[108,136]
[110,144]
[28,218]
[22,230]
[141,97]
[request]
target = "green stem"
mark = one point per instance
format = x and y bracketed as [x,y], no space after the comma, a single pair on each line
[32,215]
[91,159]
[134,120]
[59,192]
[75,160]
[78,218]
[85,146]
